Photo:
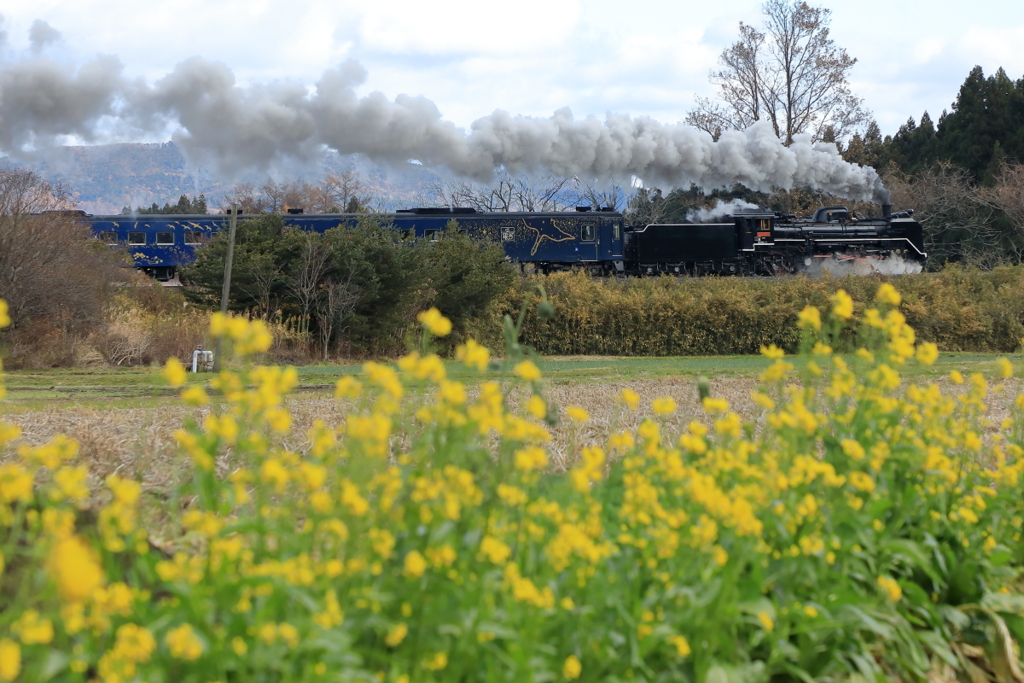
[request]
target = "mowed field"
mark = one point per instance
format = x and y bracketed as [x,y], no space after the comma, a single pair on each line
[125,419]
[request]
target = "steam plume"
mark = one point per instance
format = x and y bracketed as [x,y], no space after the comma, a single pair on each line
[237,128]
[719,210]
[42,34]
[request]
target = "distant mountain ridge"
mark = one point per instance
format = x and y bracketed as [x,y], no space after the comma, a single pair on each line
[106,178]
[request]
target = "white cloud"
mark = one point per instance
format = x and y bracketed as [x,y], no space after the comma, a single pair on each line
[993,47]
[533,56]
[468,26]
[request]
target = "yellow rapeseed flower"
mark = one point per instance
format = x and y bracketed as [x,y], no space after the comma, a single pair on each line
[892,590]
[174,372]
[15,483]
[1005,367]
[809,610]
[681,644]
[438,325]
[396,634]
[927,353]
[415,564]
[714,406]
[32,629]
[577,413]
[630,398]
[348,387]
[527,370]
[810,317]
[772,352]
[572,668]
[473,354]
[195,396]
[5,318]
[843,308]
[862,481]
[184,643]
[495,550]
[436,662]
[536,407]
[72,564]
[766,621]
[10,654]
[887,294]
[664,405]
[853,449]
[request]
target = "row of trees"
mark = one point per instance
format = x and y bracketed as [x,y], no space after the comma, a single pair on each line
[350,289]
[185,205]
[340,192]
[336,192]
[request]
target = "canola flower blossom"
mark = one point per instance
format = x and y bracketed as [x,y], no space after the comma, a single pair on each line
[438,325]
[430,533]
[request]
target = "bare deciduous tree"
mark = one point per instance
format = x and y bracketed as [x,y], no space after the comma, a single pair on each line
[1007,195]
[51,271]
[310,268]
[957,224]
[790,73]
[340,192]
[336,299]
[508,193]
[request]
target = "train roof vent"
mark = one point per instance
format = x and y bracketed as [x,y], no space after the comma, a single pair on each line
[295,211]
[583,209]
[463,209]
[607,208]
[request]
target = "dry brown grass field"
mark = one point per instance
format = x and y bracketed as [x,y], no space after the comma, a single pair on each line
[139,441]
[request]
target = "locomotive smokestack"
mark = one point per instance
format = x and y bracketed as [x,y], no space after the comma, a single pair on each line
[886,210]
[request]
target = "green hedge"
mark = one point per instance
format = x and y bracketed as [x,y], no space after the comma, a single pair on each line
[959,309]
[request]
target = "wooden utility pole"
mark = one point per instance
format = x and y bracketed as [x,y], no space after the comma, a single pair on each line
[226,291]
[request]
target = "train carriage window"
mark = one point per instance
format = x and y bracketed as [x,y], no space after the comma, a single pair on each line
[193,237]
[587,233]
[109,237]
[135,238]
[615,231]
[432,235]
[165,238]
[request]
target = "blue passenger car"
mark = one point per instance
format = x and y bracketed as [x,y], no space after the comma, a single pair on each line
[159,244]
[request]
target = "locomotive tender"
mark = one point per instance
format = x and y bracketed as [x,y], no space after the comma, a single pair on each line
[747,243]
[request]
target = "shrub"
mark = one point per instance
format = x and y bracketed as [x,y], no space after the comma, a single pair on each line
[960,309]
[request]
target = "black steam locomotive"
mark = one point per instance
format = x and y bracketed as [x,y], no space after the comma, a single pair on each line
[746,243]
[771,243]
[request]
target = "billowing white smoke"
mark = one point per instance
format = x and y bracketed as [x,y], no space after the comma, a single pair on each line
[719,211]
[841,264]
[239,128]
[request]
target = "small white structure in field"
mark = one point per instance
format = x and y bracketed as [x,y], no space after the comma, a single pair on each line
[202,360]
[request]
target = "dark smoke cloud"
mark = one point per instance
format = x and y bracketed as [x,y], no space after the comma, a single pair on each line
[239,128]
[42,34]
[41,100]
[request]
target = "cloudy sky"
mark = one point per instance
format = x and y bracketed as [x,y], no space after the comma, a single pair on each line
[530,57]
